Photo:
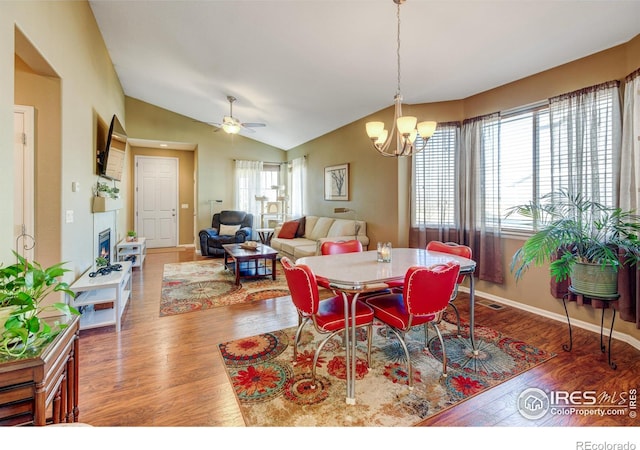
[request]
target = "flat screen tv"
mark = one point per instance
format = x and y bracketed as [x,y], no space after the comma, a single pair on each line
[111,159]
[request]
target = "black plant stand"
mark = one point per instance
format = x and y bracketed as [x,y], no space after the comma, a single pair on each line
[614,298]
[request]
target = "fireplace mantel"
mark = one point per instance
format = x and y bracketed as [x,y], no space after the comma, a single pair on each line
[104,204]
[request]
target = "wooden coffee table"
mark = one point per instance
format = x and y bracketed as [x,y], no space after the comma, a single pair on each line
[246,263]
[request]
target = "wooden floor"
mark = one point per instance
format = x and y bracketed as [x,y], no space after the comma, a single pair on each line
[166,371]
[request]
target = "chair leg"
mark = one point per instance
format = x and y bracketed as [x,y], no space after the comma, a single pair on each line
[426,336]
[455,309]
[369,342]
[317,354]
[444,352]
[301,323]
[406,352]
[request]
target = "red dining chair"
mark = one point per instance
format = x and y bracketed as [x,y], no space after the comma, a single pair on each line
[458,250]
[326,315]
[426,295]
[335,248]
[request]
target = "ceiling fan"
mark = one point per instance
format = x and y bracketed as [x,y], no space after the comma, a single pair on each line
[232,125]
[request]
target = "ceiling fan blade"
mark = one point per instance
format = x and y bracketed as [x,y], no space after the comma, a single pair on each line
[254,125]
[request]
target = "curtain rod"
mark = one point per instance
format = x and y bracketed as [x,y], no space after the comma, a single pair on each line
[270,162]
[264,162]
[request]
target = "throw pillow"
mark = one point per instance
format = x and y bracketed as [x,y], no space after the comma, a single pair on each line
[302,222]
[228,230]
[321,228]
[288,230]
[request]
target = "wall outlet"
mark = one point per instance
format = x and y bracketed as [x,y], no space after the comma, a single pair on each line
[69,216]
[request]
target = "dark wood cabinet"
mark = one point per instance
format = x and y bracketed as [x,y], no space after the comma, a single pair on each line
[41,389]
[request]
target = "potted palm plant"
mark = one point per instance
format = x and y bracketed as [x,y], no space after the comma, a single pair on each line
[23,287]
[580,239]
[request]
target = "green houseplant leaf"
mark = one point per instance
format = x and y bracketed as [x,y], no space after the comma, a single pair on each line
[570,229]
[23,287]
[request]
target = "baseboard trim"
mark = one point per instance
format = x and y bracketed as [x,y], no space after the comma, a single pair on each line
[634,342]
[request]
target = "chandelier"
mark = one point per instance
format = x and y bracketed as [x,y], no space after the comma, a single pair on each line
[405,128]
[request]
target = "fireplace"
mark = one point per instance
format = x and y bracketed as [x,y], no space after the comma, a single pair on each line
[104,244]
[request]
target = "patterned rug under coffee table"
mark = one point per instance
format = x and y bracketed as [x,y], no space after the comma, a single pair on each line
[272,392]
[199,285]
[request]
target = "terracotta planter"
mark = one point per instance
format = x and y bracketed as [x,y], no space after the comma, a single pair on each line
[594,280]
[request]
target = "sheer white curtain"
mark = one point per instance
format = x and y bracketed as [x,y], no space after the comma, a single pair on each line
[248,186]
[297,180]
[630,153]
[585,141]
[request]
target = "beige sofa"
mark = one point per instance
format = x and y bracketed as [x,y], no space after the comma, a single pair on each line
[317,230]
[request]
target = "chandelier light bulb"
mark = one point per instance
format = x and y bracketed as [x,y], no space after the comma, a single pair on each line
[406,124]
[426,129]
[374,129]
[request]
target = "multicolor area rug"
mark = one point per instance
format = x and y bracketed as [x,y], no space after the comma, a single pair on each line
[273,392]
[199,285]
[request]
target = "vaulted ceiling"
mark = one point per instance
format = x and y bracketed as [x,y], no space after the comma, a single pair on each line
[307,67]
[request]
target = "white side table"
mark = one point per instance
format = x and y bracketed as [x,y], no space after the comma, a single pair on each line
[137,248]
[112,288]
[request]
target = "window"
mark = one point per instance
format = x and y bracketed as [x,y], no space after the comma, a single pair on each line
[525,162]
[568,143]
[270,182]
[434,175]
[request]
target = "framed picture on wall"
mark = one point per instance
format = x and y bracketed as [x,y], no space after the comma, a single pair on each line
[336,182]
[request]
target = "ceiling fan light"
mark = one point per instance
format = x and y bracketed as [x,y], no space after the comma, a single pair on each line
[231,128]
[426,129]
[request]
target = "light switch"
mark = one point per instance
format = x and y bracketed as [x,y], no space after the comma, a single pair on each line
[75,186]
[185,206]
[69,216]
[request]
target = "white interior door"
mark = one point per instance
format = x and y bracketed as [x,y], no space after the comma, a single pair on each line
[23,210]
[157,200]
